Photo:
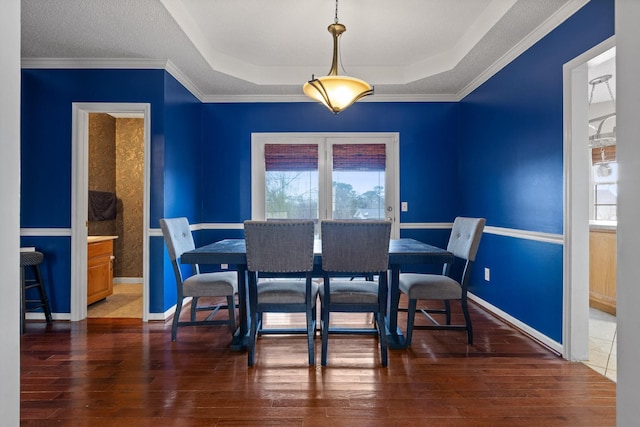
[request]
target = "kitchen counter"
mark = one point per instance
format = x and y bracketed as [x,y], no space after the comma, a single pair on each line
[603,225]
[94,239]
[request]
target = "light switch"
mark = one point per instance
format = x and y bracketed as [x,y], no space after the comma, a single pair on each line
[404,206]
[487,274]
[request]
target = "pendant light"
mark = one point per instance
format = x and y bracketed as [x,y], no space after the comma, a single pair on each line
[334,91]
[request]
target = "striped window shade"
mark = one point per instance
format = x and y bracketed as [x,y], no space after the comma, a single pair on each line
[359,157]
[290,157]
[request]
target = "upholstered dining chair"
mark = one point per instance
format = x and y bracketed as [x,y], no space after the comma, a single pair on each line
[463,243]
[282,250]
[354,248]
[178,238]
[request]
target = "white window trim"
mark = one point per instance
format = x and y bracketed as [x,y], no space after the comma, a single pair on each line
[392,173]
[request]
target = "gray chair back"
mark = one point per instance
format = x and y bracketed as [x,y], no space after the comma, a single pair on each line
[177,236]
[353,246]
[465,237]
[279,246]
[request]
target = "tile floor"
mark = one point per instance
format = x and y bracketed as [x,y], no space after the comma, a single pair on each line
[602,343]
[126,301]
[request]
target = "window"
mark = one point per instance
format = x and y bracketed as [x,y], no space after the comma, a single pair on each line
[604,172]
[291,181]
[358,181]
[310,176]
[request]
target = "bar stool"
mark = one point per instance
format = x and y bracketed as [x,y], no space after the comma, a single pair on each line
[32,259]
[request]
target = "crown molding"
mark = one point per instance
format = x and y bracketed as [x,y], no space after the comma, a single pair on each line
[535,36]
[302,98]
[138,63]
[184,80]
[168,66]
[87,63]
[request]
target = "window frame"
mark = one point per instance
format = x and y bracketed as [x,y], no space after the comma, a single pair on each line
[325,168]
[595,159]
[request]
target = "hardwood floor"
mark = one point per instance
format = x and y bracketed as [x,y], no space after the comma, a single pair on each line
[113,372]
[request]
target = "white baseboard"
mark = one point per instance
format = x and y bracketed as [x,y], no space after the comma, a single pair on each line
[167,314]
[543,339]
[129,280]
[54,316]
[67,316]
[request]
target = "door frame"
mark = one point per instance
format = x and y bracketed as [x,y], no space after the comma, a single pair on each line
[79,199]
[575,330]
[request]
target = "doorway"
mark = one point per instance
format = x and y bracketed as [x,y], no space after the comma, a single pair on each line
[603,186]
[116,187]
[577,161]
[82,113]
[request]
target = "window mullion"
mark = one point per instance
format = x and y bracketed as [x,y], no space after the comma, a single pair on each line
[324,170]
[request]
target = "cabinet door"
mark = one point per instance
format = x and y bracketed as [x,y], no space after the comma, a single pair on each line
[602,271]
[99,271]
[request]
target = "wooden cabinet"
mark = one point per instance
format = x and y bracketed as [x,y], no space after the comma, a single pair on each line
[602,270]
[100,269]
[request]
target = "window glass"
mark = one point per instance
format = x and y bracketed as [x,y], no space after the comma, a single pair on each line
[291,181]
[358,181]
[605,188]
[325,176]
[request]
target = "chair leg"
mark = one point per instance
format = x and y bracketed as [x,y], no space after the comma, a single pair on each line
[311,330]
[194,308]
[467,321]
[176,319]
[251,351]
[232,314]
[261,322]
[43,294]
[325,335]
[411,317]
[383,339]
[447,310]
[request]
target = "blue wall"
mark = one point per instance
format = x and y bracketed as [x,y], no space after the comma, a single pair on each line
[511,169]
[47,97]
[428,151]
[182,181]
[496,154]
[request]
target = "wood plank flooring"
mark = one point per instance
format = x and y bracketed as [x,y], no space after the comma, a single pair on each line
[123,372]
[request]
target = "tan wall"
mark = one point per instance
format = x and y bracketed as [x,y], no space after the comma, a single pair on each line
[102,165]
[130,191]
[116,164]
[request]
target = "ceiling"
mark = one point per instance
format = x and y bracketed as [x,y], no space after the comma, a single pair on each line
[225,50]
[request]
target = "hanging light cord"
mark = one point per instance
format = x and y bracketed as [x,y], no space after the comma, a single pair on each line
[336,21]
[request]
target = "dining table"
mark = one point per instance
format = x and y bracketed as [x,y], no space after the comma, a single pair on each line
[403,253]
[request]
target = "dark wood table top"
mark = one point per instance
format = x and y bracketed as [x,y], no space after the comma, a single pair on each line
[233,251]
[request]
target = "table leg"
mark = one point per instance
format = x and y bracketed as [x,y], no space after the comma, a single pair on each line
[395,338]
[240,339]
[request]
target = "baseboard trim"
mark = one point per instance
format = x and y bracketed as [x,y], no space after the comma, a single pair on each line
[129,280]
[544,340]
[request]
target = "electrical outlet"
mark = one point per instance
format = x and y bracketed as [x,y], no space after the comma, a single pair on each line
[487,274]
[224,266]
[404,206]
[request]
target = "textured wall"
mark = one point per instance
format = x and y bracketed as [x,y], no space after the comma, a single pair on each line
[129,188]
[102,165]
[116,156]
